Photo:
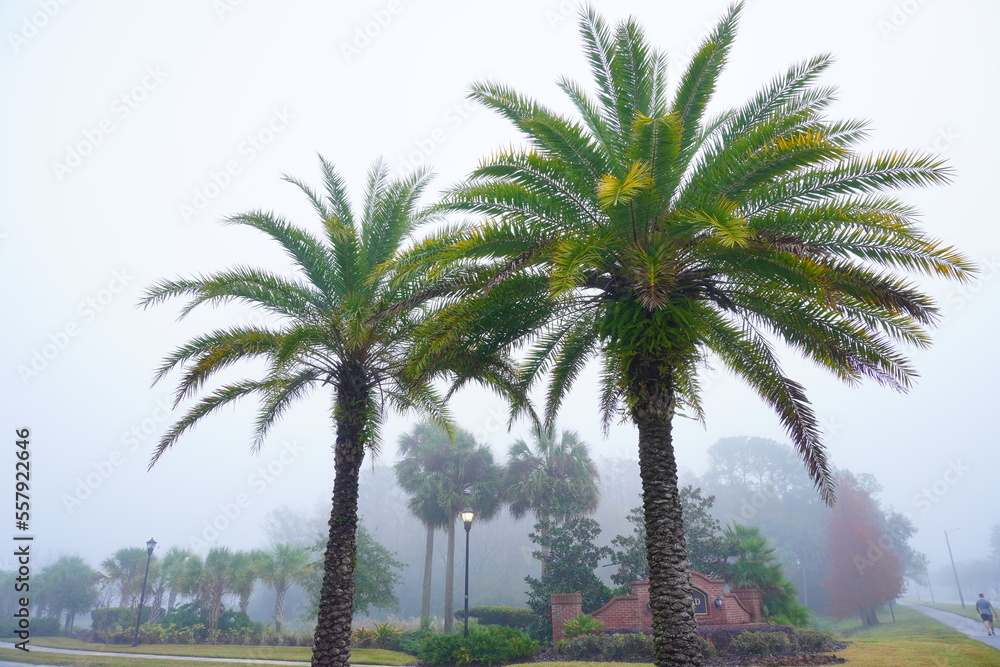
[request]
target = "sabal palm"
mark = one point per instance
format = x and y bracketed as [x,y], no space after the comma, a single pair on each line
[339,322]
[420,455]
[555,478]
[655,239]
[244,577]
[125,567]
[464,474]
[282,566]
[171,573]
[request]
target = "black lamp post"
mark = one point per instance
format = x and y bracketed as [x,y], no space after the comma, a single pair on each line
[467,516]
[150,545]
[954,571]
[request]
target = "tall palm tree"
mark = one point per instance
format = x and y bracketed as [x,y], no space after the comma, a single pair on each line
[125,568]
[244,576]
[556,479]
[342,322]
[171,572]
[282,566]
[421,452]
[215,580]
[655,239]
[468,478]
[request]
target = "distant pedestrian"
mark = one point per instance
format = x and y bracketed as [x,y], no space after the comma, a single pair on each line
[985,610]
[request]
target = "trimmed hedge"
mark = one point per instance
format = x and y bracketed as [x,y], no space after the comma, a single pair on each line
[510,617]
[489,645]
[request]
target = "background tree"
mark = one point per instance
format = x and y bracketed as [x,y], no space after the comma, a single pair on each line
[470,478]
[754,565]
[67,585]
[280,567]
[555,479]
[418,474]
[343,322]
[865,570]
[706,546]
[171,572]
[570,556]
[124,570]
[653,238]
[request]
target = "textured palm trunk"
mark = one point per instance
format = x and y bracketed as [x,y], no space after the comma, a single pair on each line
[154,608]
[332,640]
[675,630]
[425,597]
[279,607]
[449,580]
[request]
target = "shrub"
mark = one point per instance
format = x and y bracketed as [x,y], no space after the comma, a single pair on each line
[815,640]
[761,643]
[511,617]
[631,647]
[583,624]
[491,645]
[45,626]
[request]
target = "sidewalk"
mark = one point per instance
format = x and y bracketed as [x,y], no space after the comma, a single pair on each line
[968,627]
[249,661]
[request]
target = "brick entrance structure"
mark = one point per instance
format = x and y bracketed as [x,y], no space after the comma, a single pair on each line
[712,606]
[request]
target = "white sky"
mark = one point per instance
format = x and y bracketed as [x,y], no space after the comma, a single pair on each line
[158,102]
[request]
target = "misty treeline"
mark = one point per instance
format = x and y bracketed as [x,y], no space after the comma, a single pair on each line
[540,494]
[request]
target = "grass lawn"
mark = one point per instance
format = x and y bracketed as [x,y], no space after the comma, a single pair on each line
[361,656]
[969,611]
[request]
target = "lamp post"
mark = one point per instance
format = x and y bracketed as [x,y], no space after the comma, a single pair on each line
[467,516]
[150,545]
[957,585]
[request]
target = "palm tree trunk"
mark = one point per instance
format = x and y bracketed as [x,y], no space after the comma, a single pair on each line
[279,606]
[425,597]
[332,641]
[543,518]
[449,579]
[171,599]
[675,630]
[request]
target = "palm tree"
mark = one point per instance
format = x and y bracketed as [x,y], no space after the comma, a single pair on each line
[421,455]
[171,571]
[654,239]
[343,322]
[125,568]
[755,565]
[244,576]
[282,566]
[215,580]
[468,478]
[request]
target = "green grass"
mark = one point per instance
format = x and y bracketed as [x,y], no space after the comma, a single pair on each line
[914,640]
[361,656]
[968,612]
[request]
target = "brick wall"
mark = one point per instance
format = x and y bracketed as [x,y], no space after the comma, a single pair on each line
[632,611]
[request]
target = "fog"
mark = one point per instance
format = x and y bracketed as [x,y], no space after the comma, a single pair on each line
[129,131]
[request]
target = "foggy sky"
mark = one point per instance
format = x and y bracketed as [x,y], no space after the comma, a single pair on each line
[183,113]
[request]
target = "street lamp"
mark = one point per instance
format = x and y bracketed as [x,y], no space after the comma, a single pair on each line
[467,516]
[150,545]
[957,585]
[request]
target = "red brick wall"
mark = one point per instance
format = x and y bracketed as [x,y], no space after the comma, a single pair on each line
[632,611]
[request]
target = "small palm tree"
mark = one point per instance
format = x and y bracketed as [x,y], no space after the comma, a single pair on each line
[343,323]
[125,568]
[171,572]
[244,577]
[653,238]
[282,566]
[420,451]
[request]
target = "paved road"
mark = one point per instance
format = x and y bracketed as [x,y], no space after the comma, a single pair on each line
[967,626]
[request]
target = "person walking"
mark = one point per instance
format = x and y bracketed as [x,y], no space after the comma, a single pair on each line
[985,610]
